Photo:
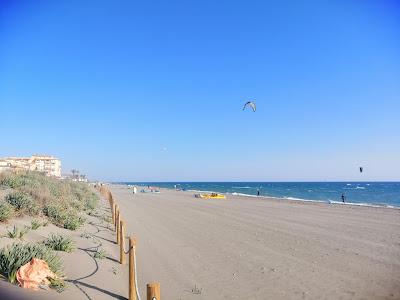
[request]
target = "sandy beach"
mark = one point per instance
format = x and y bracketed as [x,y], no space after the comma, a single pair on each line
[250,248]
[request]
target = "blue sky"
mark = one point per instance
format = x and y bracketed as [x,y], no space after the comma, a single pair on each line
[153,90]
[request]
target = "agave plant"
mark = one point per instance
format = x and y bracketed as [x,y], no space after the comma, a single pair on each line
[12,257]
[17,232]
[59,242]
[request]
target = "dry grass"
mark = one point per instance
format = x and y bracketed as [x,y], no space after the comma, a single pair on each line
[62,201]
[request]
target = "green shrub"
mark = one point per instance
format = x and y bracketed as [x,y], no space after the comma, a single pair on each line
[73,221]
[56,214]
[58,284]
[18,200]
[100,254]
[106,218]
[12,257]
[24,231]
[17,232]
[22,202]
[59,242]
[12,180]
[86,235]
[91,201]
[6,211]
[12,234]
[86,199]
[61,217]
[35,224]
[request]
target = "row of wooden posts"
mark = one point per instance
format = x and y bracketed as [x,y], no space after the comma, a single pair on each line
[153,289]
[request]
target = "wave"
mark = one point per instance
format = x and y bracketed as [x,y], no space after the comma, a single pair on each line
[242,187]
[201,191]
[355,188]
[322,201]
[245,195]
[364,204]
[302,200]
[319,201]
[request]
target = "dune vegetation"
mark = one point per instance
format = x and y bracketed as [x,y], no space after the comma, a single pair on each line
[63,202]
[12,257]
[60,242]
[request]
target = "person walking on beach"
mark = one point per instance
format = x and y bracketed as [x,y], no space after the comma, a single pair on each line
[134,190]
[343,198]
[258,192]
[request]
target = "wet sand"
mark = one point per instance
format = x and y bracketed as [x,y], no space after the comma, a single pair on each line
[251,248]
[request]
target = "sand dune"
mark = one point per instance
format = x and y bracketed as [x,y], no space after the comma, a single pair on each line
[87,277]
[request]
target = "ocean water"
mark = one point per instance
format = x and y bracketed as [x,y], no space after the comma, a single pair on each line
[361,193]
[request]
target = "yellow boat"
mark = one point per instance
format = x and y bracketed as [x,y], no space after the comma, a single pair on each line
[210,196]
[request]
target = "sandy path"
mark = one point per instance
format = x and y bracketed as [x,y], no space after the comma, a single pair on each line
[247,248]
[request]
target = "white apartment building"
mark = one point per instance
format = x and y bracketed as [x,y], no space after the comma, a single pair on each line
[50,165]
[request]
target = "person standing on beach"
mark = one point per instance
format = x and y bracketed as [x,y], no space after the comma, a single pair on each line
[343,198]
[134,190]
[258,192]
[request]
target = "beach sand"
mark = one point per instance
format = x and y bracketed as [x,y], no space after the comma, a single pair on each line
[257,248]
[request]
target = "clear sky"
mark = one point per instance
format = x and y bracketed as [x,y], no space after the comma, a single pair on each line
[153,90]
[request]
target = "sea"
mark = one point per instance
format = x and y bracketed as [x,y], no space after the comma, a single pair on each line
[355,193]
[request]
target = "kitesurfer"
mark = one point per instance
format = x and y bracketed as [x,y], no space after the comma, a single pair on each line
[251,104]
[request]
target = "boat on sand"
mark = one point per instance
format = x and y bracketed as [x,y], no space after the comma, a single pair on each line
[210,196]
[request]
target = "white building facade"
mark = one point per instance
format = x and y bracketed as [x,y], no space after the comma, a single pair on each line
[47,164]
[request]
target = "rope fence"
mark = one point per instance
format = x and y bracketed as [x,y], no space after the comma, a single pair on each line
[153,289]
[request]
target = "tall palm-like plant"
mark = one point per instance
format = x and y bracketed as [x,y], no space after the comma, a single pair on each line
[74,173]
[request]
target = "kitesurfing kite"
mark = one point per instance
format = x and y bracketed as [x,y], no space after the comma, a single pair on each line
[361,169]
[251,104]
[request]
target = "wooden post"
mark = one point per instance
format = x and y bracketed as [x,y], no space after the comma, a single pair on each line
[113,212]
[132,275]
[153,291]
[122,243]
[116,209]
[110,198]
[118,225]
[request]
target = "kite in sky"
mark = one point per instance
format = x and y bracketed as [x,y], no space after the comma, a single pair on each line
[250,104]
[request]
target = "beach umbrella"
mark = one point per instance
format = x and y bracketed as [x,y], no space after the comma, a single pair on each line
[250,104]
